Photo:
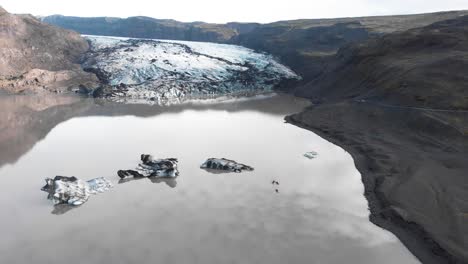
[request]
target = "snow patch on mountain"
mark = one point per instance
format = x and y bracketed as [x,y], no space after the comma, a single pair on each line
[161,70]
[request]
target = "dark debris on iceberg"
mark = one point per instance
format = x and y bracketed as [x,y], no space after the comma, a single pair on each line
[165,72]
[150,167]
[225,165]
[73,191]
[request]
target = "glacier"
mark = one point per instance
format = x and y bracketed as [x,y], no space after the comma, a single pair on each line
[163,70]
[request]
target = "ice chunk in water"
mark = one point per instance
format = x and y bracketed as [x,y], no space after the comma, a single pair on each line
[225,164]
[99,185]
[311,155]
[150,167]
[73,191]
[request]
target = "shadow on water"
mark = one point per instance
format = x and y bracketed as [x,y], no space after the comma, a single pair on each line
[61,209]
[171,182]
[213,171]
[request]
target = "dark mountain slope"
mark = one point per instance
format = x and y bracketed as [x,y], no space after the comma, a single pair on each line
[308,45]
[398,104]
[424,67]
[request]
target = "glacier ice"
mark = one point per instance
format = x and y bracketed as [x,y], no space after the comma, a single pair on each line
[73,191]
[159,71]
[225,165]
[150,167]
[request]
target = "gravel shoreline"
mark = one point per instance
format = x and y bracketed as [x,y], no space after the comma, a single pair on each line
[386,145]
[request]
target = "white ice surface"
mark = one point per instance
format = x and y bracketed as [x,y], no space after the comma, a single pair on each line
[175,69]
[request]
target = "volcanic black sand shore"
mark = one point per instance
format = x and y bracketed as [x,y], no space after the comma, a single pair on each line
[413,165]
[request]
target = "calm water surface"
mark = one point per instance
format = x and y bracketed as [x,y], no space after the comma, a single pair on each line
[319,215]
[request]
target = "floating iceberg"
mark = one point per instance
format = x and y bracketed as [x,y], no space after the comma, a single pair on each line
[225,165]
[73,191]
[150,167]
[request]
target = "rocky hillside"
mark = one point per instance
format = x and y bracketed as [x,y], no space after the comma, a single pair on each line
[305,45]
[37,56]
[399,104]
[146,27]
[423,67]
[308,45]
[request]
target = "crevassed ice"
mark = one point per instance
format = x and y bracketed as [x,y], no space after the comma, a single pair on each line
[174,69]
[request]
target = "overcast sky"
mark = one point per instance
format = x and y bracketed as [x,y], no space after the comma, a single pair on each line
[234,10]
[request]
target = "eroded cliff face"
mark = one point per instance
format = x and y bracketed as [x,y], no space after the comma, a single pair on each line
[35,56]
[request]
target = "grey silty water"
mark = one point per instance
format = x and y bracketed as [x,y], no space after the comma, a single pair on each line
[318,215]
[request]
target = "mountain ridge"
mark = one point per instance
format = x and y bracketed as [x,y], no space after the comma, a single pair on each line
[147,27]
[305,45]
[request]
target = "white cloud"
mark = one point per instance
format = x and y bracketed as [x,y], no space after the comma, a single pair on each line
[233,10]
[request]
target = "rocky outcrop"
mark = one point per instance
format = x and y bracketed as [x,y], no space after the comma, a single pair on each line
[150,167]
[37,80]
[225,165]
[73,191]
[163,71]
[37,56]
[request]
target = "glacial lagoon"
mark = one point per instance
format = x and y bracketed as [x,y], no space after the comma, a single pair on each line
[318,215]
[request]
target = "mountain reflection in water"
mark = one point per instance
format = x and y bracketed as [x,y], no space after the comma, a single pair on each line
[319,215]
